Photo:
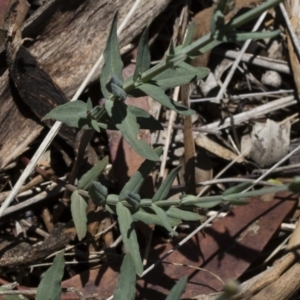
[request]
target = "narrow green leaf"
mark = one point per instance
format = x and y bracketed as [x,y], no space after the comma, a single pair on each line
[175,60]
[92,175]
[189,36]
[68,113]
[112,199]
[143,56]
[237,188]
[182,74]
[150,218]
[117,91]
[49,287]
[255,193]
[133,199]
[138,112]
[98,193]
[217,21]
[295,185]
[159,95]
[236,200]
[181,214]
[111,209]
[136,180]
[82,114]
[129,236]
[95,125]
[146,202]
[144,119]
[125,121]
[113,64]
[172,51]
[257,35]
[78,210]
[178,289]
[89,104]
[205,202]
[164,188]
[225,6]
[125,289]
[230,35]
[11,297]
[163,217]
[98,113]
[116,81]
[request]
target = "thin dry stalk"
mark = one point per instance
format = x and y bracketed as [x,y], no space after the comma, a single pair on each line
[267,63]
[238,59]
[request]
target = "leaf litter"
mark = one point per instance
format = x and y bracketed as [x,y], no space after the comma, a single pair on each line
[231,244]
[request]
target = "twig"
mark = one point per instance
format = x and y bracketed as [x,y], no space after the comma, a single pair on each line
[250,114]
[169,133]
[273,168]
[224,180]
[52,191]
[34,291]
[242,96]
[267,63]
[253,113]
[294,38]
[238,59]
[280,169]
[67,248]
[223,171]
[37,230]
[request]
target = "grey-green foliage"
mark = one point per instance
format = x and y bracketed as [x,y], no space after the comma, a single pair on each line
[78,210]
[230,289]
[174,71]
[178,289]
[129,236]
[125,289]
[11,297]
[113,64]
[295,185]
[116,114]
[49,287]
[87,179]
[130,207]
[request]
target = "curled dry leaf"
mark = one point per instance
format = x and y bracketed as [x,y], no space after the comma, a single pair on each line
[269,142]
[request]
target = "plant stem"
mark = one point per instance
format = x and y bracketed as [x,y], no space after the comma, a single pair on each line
[202,45]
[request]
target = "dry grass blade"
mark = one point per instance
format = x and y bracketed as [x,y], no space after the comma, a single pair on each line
[254,113]
[263,62]
[238,59]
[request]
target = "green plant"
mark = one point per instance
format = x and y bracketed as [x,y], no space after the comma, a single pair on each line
[172,72]
[116,114]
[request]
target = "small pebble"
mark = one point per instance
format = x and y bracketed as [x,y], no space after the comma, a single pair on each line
[271,78]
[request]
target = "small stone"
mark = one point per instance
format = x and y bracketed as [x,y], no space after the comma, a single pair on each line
[271,78]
